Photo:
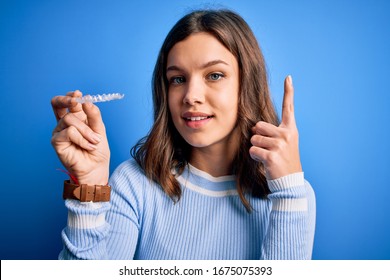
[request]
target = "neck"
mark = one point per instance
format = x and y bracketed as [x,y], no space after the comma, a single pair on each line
[217,159]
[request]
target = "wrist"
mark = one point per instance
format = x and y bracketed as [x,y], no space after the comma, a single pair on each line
[86,193]
[96,177]
[288,181]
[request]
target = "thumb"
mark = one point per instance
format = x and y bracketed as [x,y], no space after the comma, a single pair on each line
[288,116]
[94,118]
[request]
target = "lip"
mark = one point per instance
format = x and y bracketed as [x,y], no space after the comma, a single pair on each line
[187,115]
[196,120]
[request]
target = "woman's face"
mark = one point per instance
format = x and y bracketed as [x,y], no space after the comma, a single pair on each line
[203,91]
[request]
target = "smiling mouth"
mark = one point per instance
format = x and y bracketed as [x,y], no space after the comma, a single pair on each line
[194,119]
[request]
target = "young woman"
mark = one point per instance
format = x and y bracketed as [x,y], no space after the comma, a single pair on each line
[217,177]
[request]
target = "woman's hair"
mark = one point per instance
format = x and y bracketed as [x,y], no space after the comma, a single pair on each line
[164,150]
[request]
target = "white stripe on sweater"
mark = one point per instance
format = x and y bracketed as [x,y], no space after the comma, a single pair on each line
[86,221]
[290,205]
[203,191]
[207,176]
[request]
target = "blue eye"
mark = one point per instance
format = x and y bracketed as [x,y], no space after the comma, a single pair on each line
[215,76]
[177,80]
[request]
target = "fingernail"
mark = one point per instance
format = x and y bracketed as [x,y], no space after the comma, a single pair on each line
[290,79]
[95,137]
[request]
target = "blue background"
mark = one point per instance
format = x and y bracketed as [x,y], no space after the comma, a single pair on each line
[336,51]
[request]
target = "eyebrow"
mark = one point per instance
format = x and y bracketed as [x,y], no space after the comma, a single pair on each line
[207,64]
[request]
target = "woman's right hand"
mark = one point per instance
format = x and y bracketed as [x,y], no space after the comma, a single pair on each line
[80,139]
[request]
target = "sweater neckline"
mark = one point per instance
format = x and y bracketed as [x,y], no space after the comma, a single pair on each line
[207,176]
[206,184]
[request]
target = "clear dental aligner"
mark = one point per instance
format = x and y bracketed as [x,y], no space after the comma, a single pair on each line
[99,97]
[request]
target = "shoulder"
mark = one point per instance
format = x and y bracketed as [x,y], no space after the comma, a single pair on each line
[131,189]
[130,177]
[128,169]
[129,180]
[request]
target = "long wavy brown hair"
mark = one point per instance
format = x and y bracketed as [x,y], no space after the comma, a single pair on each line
[164,150]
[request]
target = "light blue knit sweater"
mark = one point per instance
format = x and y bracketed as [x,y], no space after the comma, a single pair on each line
[208,222]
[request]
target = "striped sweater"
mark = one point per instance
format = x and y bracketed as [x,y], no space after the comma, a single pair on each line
[208,222]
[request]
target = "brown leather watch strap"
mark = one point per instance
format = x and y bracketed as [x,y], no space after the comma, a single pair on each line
[86,193]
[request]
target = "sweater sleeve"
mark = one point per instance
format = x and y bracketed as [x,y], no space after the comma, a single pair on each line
[105,230]
[290,231]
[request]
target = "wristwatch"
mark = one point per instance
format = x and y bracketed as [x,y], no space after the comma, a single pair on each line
[86,193]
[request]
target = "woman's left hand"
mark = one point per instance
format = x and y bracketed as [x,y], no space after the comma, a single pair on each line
[277,146]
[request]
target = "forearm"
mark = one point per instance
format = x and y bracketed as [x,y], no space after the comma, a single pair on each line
[103,230]
[86,233]
[290,231]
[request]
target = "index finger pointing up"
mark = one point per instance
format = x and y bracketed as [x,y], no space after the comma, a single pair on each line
[288,117]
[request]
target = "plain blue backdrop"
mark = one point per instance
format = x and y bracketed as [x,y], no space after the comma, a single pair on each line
[336,51]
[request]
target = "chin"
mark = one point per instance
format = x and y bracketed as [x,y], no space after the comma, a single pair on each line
[197,142]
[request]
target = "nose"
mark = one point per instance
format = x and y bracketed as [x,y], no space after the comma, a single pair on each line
[194,92]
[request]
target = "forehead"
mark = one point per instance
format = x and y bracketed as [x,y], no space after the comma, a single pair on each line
[198,49]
